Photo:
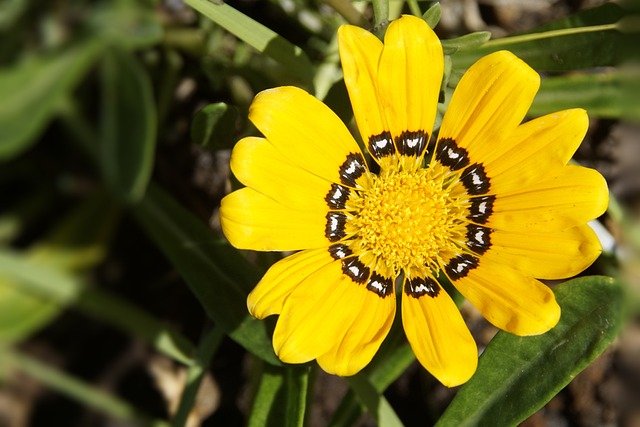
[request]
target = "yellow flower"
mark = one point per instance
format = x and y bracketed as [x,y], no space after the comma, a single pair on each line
[493,206]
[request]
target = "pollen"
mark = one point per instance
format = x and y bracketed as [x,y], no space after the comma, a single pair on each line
[409,219]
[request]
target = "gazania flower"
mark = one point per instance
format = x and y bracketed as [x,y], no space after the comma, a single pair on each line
[492,207]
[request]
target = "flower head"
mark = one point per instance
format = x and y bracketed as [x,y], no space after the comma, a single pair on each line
[492,207]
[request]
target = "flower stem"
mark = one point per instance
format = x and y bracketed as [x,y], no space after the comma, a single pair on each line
[381,14]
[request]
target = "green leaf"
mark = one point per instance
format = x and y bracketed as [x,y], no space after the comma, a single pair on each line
[291,57]
[585,40]
[608,94]
[75,245]
[214,126]
[466,42]
[50,287]
[77,389]
[432,15]
[128,125]
[10,11]
[517,375]
[131,24]
[377,405]
[218,275]
[206,350]
[32,90]
[281,397]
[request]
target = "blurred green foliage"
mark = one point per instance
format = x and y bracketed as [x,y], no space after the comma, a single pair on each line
[96,101]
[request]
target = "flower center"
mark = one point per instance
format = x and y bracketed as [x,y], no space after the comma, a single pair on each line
[409,219]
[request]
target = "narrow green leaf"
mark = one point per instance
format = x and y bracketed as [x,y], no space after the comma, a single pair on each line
[131,24]
[281,397]
[53,289]
[376,403]
[77,389]
[214,126]
[10,11]
[466,42]
[527,372]
[585,40]
[206,350]
[291,57]
[18,217]
[433,14]
[75,245]
[128,126]
[603,94]
[218,275]
[32,89]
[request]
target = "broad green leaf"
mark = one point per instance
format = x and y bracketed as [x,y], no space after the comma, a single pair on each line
[281,397]
[585,40]
[603,94]
[75,245]
[218,275]
[32,89]
[516,376]
[128,126]
[265,40]
[214,126]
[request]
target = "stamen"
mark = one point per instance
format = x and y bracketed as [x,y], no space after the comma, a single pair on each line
[408,219]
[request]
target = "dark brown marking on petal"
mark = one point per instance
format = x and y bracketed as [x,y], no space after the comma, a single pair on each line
[334,229]
[478,238]
[339,251]
[355,269]
[412,143]
[460,266]
[337,197]
[381,145]
[419,286]
[449,154]
[475,179]
[352,169]
[380,285]
[481,209]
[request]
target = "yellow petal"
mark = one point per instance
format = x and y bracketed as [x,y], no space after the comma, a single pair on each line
[317,315]
[251,220]
[409,79]
[359,53]
[437,333]
[257,164]
[488,104]
[281,279]
[555,255]
[507,298]
[571,198]
[536,149]
[307,132]
[361,340]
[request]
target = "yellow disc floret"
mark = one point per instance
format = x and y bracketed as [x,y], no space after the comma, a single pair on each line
[408,219]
